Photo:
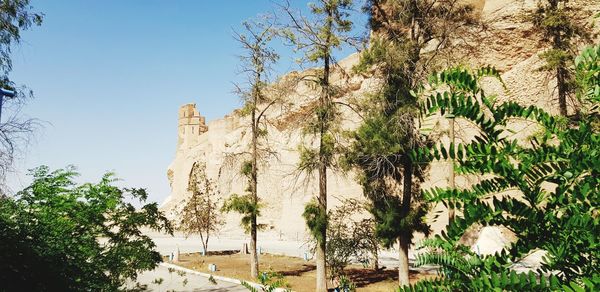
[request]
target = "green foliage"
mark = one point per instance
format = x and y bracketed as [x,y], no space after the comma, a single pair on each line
[587,66]
[246,168]
[269,281]
[318,37]
[212,280]
[563,220]
[346,285]
[309,159]
[393,220]
[316,220]
[563,26]
[158,281]
[350,236]
[504,281]
[380,152]
[245,206]
[257,61]
[57,235]
[16,16]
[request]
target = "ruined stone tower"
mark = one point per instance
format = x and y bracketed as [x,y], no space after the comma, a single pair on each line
[191,126]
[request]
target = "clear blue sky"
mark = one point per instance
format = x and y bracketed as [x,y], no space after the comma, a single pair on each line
[109,76]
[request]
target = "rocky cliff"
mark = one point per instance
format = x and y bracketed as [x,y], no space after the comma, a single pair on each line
[508,43]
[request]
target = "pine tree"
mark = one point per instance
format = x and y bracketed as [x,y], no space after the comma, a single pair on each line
[256,65]
[258,60]
[561,27]
[317,38]
[401,30]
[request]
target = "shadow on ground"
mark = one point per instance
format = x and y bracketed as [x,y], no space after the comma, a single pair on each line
[298,272]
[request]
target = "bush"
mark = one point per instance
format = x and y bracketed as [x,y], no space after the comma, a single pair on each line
[60,236]
[562,220]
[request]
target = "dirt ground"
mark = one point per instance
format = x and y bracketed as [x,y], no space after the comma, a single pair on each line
[299,274]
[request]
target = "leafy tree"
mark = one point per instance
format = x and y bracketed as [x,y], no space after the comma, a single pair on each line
[560,27]
[200,214]
[60,236]
[317,38]
[350,237]
[401,30]
[258,100]
[561,220]
[15,16]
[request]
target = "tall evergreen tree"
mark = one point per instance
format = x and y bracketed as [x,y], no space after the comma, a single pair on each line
[561,27]
[401,32]
[256,62]
[317,38]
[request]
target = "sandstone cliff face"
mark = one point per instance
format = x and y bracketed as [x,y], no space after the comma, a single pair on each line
[509,44]
[280,186]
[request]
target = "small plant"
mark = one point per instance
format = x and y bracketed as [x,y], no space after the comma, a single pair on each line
[139,287]
[158,281]
[269,281]
[185,281]
[212,280]
[346,285]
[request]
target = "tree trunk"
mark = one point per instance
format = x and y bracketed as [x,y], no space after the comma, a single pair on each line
[562,91]
[451,182]
[322,244]
[253,255]
[321,267]
[404,239]
[561,71]
[407,169]
[325,115]
[205,244]
[403,271]
[253,190]
[375,260]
